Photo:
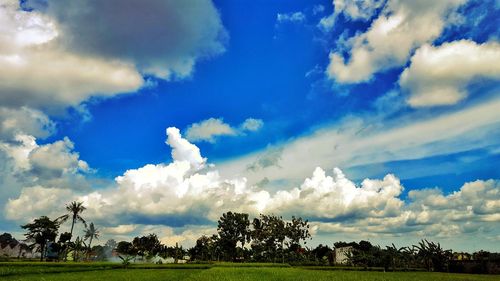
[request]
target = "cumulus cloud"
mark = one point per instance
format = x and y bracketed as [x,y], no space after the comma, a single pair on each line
[179,33]
[351,9]
[159,198]
[183,150]
[57,78]
[209,130]
[439,75]
[25,163]
[401,27]
[323,196]
[69,56]
[24,120]
[252,124]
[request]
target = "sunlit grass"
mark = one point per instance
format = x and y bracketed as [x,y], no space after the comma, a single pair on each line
[218,271]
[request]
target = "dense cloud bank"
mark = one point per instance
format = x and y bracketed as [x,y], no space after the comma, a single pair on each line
[193,190]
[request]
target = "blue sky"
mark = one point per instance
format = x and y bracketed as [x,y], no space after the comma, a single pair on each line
[267,98]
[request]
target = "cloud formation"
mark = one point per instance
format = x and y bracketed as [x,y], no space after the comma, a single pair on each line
[400,27]
[57,77]
[210,129]
[161,194]
[296,17]
[439,75]
[362,141]
[351,9]
[68,60]
[179,33]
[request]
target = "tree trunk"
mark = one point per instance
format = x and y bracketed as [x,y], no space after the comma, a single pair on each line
[90,247]
[42,251]
[71,232]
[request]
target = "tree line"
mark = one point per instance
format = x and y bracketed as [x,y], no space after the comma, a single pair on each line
[266,238]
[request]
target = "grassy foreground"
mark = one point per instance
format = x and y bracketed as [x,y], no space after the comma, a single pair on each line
[110,272]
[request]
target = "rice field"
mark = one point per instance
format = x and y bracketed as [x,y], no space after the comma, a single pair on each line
[223,272]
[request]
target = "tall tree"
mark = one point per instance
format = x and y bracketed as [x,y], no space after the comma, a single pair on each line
[297,230]
[74,212]
[269,233]
[233,228]
[42,231]
[90,233]
[147,246]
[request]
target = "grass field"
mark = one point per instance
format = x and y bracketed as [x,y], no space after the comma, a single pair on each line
[110,272]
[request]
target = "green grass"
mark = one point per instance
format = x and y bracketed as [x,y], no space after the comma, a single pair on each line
[210,272]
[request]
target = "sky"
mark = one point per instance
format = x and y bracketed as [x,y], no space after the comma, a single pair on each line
[375,120]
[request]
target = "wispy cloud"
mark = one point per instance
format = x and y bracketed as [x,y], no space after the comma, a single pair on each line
[210,129]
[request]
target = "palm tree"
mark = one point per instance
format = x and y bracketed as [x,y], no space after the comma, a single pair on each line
[74,210]
[77,247]
[91,232]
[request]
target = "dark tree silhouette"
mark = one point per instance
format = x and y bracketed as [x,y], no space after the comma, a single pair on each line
[74,210]
[90,233]
[42,231]
[147,246]
[233,228]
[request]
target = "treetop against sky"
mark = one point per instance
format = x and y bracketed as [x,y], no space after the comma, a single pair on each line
[375,120]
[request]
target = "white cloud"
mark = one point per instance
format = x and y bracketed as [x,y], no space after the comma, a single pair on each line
[68,59]
[401,27]
[183,151]
[351,9]
[57,157]
[57,78]
[439,75]
[37,201]
[251,124]
[161,195]
[296,17]
[25,163]
[323,196]
[24,120]
[355,142]
[119,229]
[209,130]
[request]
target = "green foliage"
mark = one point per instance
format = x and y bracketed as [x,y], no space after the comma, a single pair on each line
[233,228]
[126,260]
[42,231]
[146,246]
[74,210]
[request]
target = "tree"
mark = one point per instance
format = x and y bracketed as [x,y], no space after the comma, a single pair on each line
[433,256]
[6,239]
[147,246]
[202,249]
[90,233]
[297,230]
[109,247]
[74,210]
[233,228]
[125,248]
[42,231]
[77,247]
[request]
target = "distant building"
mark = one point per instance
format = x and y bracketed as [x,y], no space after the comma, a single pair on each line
[17,251]
[341,254]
